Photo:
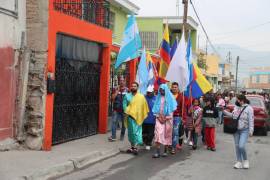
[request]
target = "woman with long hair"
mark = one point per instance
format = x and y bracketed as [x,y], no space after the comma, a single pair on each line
[245,115]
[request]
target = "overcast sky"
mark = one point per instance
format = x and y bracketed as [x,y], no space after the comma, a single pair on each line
[245,23]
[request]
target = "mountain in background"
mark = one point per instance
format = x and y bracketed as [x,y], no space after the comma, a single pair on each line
[248,58]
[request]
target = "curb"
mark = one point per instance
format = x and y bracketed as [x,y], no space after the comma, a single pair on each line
[72,165]
[52,172]
[92,158]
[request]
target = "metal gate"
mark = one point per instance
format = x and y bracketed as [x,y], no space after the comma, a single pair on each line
[76,101]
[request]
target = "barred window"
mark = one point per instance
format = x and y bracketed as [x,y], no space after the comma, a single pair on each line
[112,21]
[149,40]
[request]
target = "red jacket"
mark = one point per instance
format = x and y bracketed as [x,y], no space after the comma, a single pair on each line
[180,111]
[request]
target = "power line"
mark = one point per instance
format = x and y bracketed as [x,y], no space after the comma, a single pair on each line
[207,37]
[227,34]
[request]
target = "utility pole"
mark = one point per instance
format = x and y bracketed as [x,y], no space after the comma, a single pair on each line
[198,42]
[185,2]
[177,7]
[236,79]
[206,44]
[230,60]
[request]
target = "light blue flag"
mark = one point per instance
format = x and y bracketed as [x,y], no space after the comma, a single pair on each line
[189,59]
[142,74]
[131,43]
[190,66]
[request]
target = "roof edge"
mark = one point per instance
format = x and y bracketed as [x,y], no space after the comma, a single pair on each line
[128,6]
[190,19]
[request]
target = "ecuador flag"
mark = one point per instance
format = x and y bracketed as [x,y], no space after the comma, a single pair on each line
[165,53]
[200,85]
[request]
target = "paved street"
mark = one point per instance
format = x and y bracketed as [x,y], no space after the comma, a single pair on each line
[188,164]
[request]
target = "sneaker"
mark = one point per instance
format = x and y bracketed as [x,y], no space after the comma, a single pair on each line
[135,151]
[213,149]
[156,155]
[164,154]
[185,141]
[194,147]
[147,148]
[238,165]
[130,150]
[190,143]
[173,151]
[178,147]
[246,164]
[110,139]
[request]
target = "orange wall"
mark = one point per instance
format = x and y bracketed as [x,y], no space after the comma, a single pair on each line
[59,22]
[212,62]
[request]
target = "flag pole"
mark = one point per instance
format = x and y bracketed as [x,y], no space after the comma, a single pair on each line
[190,94]
[183,104]
[185,2]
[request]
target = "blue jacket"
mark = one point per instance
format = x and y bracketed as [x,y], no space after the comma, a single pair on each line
[151,119]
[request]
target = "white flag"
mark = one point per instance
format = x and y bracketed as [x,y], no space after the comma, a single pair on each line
[178,69]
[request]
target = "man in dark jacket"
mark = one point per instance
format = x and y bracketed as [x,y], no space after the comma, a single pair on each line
[149,123]
[118,113]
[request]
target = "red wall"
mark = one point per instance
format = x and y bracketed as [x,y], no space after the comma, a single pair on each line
[7,91]
[59,22]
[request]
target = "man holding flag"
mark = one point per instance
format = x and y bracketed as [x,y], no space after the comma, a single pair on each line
[179,118]
[136,108]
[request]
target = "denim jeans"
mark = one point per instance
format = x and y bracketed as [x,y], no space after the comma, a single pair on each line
[175,134]
[194,137]
[240,140]
[181,132]
[118,116]
[220,117]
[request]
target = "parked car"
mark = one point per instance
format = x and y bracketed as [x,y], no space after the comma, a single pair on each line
[261,116]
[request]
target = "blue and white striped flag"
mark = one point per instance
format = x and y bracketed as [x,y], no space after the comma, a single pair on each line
[142,74]
[131,43]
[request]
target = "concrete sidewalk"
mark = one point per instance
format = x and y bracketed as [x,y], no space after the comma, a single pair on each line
[63,159]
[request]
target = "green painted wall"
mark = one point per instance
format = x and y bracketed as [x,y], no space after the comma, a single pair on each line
[156,25]
[151,24]
[194,40]
[120,23]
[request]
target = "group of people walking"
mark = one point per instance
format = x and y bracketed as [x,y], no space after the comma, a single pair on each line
[166,119]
